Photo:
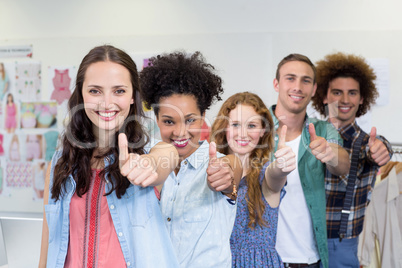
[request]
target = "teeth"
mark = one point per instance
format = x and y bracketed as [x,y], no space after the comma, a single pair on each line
[242,142]
[109,114]
[296,97]
[344,108]
[181,142]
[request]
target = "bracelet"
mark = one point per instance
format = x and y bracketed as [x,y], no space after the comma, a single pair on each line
[234,191]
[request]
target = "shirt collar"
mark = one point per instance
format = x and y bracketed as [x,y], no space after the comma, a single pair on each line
[276,121]
[393,187]
[197,158]
[349,131]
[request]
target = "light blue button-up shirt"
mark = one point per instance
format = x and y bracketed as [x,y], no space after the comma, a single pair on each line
[199,220]
[137,220]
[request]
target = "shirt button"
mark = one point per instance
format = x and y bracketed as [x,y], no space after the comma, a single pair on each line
[128,264]
[112,207]
[120,234]
[276,138]
[185,162]
[169,219]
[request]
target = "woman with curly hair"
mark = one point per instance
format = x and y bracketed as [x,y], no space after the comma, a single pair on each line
[346,90]
[197,199]
[244,127]
[100,207]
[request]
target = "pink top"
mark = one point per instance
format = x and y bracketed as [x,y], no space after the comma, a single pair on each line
[93,239]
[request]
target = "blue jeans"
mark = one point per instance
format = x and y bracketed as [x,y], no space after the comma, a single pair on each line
[343,254]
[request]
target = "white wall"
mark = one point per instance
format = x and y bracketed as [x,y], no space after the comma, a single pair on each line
[243,39]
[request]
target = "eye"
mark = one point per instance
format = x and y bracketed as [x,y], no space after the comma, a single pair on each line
[94,91]
[290,78]
[307,81]
[336,93]
[353,93]
[252,126]
[190,120]
[235,124]
[120,91]
[168,122]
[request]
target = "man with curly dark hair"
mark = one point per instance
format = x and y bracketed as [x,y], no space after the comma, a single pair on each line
[197,200]
[346,90]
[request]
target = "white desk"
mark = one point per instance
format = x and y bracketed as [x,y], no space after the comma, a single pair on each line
[20,233]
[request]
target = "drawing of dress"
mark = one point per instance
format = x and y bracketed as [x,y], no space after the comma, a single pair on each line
[28,83]
[1,145]
[3,83]
[14,151]
[11,120]
[61,83]
[40,179]
[51,144]
[33,147]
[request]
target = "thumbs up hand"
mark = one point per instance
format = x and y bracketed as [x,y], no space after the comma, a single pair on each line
[219,173]
[139,169]
[378,151]
[285,157]
[320,148]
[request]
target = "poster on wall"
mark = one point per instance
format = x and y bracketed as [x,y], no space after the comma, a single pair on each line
[381,69]
[21,51]
[61,82]
[28,80]
[28,132]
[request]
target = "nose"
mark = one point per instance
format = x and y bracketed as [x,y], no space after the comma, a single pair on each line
[297,85]
[179,130]
[345,98]
[243,131]
[106,101]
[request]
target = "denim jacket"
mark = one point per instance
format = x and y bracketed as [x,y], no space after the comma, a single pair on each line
[136,217]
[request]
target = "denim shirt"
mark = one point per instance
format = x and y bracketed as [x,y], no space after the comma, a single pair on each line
[312,177]
[199,220]
[136,217]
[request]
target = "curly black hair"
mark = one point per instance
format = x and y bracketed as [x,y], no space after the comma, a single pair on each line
[180,73]
[345,65]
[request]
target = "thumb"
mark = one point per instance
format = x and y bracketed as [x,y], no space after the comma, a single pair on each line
[282,137]
[123,148]
[311,130]
[212,151]
[373,134]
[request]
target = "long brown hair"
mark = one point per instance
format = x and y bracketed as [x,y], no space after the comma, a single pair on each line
[78,140]
[258,157]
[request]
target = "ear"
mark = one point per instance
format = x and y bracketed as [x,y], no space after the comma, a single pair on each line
[361,100]
[276,84]
[132,101]
[325,100]
[314,90]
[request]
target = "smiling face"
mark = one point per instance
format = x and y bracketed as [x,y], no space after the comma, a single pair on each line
[295,86]
[107,92]
[244,131]
[180,122]
[343,99]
